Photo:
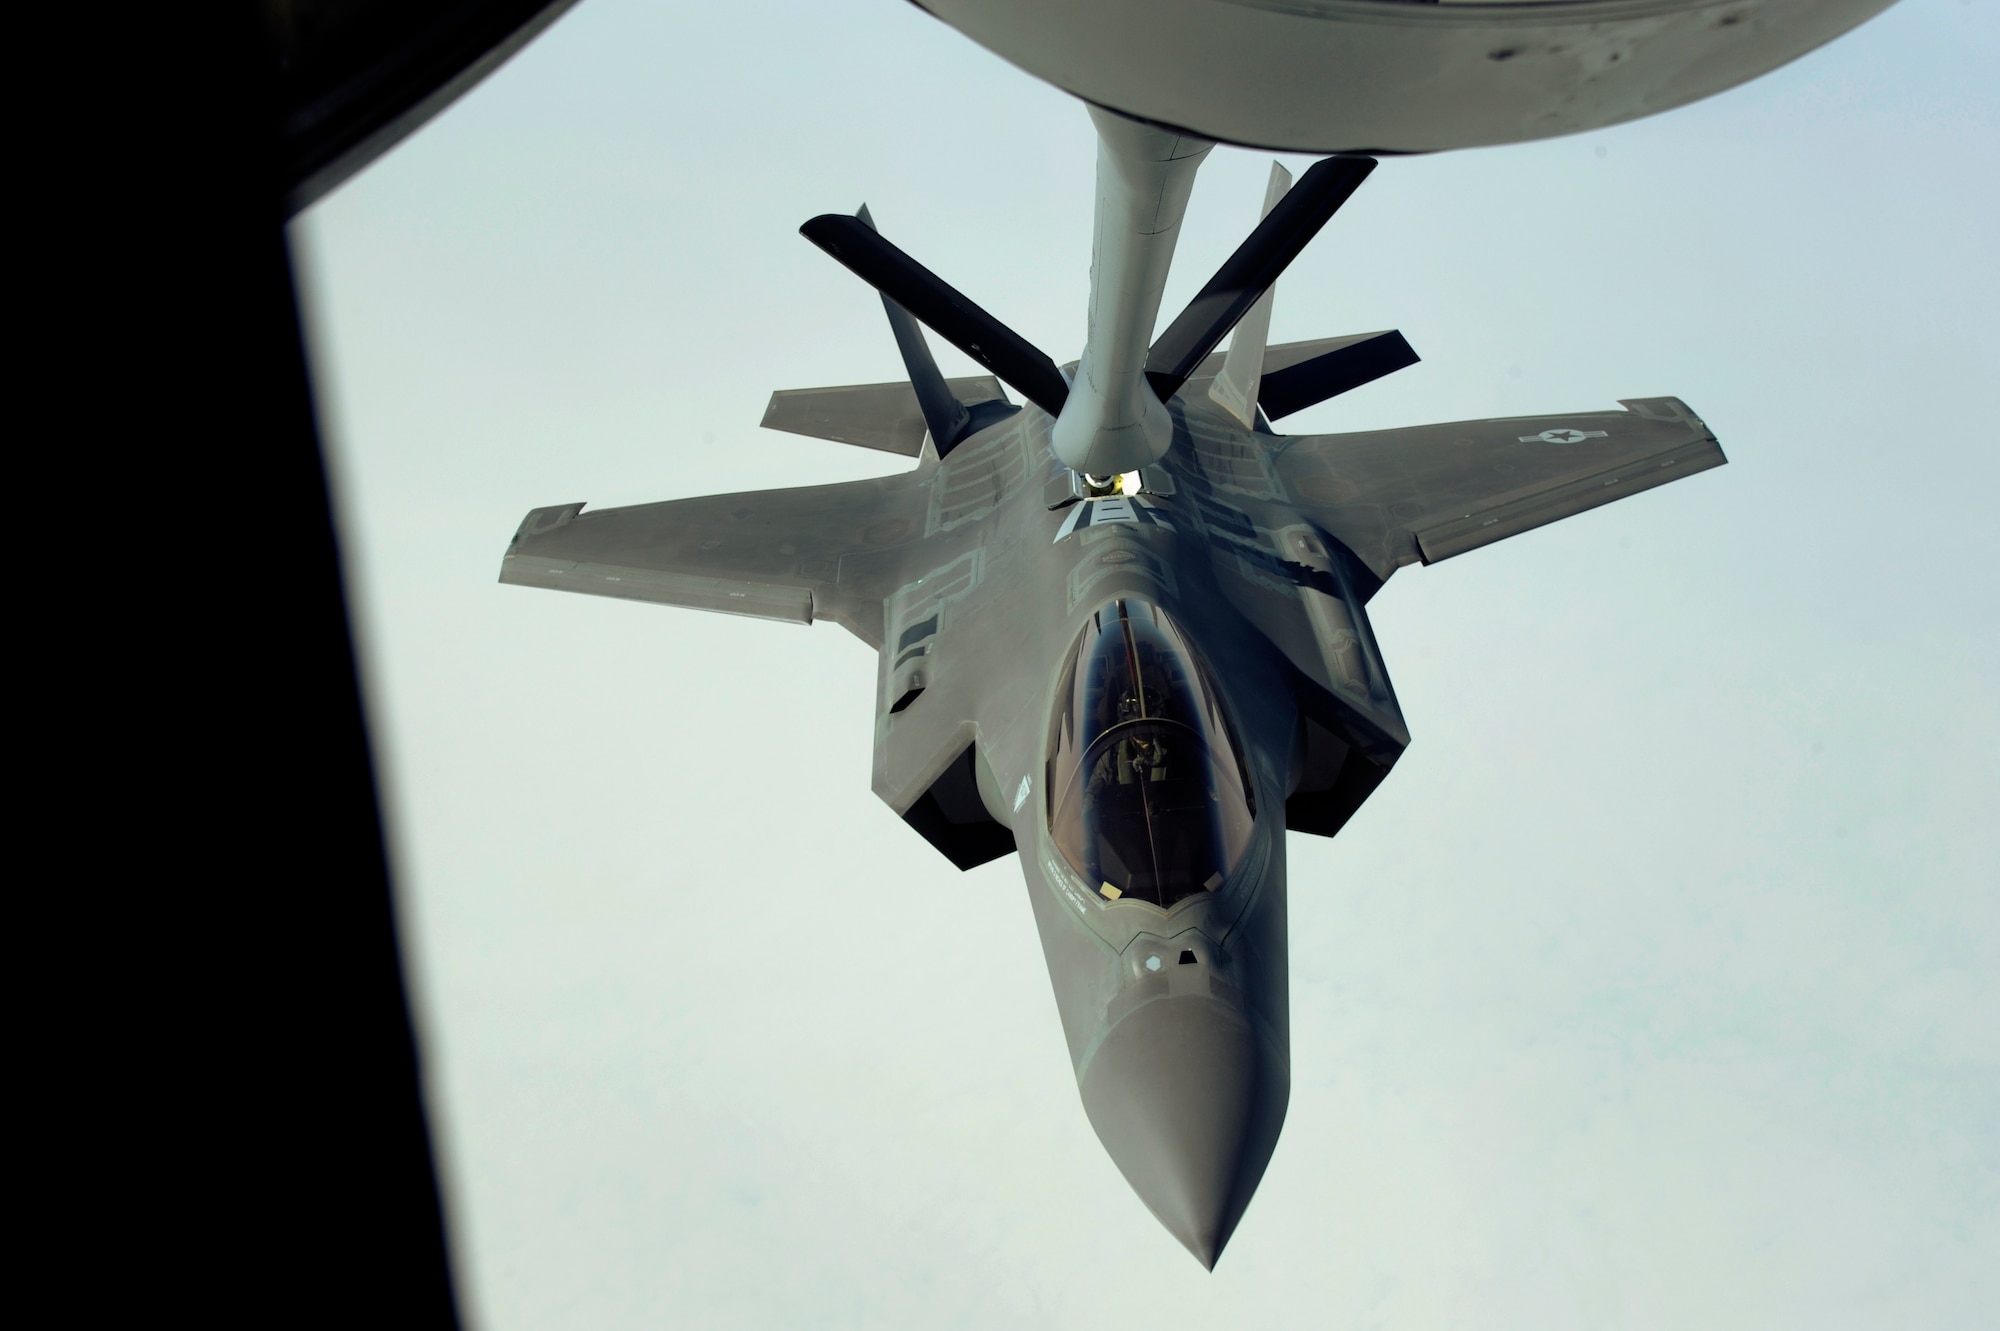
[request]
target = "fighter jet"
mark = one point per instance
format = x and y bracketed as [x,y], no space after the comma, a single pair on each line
[1122,623]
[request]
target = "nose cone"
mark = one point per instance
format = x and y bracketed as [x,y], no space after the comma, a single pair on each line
[1188,1102]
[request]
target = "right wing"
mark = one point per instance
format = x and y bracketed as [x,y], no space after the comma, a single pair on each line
[821,551]
[1395,497]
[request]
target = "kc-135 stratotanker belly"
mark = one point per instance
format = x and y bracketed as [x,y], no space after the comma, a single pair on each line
[1122,627]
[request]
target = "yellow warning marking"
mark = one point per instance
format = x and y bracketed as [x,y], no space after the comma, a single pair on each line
[1110,893]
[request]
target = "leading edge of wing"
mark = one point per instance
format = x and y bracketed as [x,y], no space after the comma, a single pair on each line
[1430,492]
[788,555]
[1493,519]
[536,558]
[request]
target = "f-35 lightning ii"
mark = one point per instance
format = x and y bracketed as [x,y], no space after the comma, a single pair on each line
[1122,625]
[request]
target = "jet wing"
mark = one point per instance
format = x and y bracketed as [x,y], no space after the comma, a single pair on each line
[791,555]
[1395,497]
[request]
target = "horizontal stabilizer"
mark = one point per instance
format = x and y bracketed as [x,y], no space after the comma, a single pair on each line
[1282,356]
[886,417]
[1348,362]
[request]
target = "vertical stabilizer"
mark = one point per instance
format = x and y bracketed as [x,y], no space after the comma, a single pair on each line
[1235,389]
[944,415]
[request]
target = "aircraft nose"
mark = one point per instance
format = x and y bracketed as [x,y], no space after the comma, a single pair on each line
[1188,1102]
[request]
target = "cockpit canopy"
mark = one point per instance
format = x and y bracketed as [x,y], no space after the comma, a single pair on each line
[1148,796]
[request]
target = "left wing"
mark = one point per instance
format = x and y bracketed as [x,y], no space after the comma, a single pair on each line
[1395,497]
[822,551]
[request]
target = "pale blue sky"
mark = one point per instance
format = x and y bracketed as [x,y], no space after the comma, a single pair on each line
[1659,986]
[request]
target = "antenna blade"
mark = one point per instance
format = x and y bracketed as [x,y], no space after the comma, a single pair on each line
[1297,387]
[1235,388]
[944,415]
[942,308]
[1249,273]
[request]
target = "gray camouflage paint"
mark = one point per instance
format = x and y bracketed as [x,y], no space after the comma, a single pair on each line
[1270,548]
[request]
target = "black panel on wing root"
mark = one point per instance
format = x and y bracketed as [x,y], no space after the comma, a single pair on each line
[952,816]
[1337,777]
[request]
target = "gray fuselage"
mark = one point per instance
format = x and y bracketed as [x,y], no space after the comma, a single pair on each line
[1175,1015]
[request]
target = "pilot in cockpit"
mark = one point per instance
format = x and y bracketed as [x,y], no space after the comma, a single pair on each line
[1141,753]
[1148,802]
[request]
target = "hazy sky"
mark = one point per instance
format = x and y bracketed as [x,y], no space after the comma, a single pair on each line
[1658,987]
